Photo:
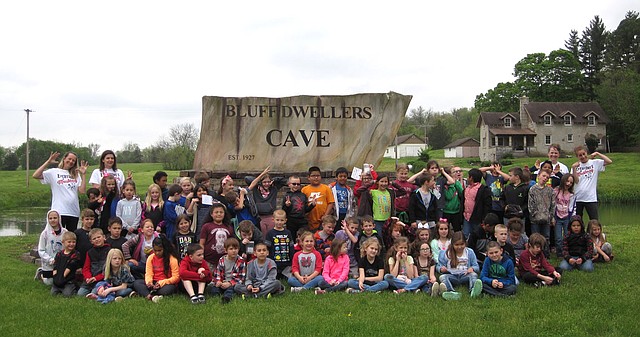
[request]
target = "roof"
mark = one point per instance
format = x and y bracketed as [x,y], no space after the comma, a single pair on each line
[581,110]
[497,118]
[511,132]
[462,141]
[405,138]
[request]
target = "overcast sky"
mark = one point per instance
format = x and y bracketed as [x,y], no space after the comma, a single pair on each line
[125,71]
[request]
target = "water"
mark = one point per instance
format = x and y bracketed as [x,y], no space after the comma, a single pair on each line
[32,220]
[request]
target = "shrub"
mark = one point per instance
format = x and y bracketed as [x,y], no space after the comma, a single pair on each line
[423,155]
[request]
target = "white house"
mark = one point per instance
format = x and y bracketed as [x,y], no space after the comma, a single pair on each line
[408,146]
[462,148]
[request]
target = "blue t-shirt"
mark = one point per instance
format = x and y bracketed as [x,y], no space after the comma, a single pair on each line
[495,184]
[343,199]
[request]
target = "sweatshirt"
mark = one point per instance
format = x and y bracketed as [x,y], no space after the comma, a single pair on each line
[189,270]
[503,271]
[155,271]
[50,243]
[336,270]
[261,276]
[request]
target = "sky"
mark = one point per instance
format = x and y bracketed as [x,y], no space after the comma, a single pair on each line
[117,72]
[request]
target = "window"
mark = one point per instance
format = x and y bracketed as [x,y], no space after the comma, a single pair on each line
[570,138]
[591,120]
[547,119]
[567,120]
[547,140]
[507,122]
[599,141]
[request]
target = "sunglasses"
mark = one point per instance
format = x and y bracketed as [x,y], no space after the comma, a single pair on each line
[295,184]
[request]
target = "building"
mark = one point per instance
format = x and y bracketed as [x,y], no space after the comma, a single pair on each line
[408,146]
[462,148]
[538,125]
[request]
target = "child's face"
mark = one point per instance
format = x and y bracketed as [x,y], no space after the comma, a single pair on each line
[423,235]
[228,186]
[328,228]
[372,250]
[155,194]
[279,221]
[425,250]
[69,245]
[261,252]
[147,228]
[514,235]
[186,187]
[116,261]
[367,227]
[54,219]
[315,178]
[158,250]
[294,184]
[197,256]
[128,192]
[308,243]
[383,183]
[111,185]
[92,197]
[569,182]
[87,222]
[217,214]
[429,184]
[543,176]
[342,179]
[201,191]
[535,250]
[162,182]
[402,174]
[232,251]
[343,249]
[582,156]
[459,246]
[184,226]
[547,167]
[97,240]
[553,154]
[513,178]
[395,233]
[353,227]
[443,230]
[402,248]
[495,254]
[366,178]
[501,235]
[596,230]
[576,228]
[246,235]
[115,230]
[434,170]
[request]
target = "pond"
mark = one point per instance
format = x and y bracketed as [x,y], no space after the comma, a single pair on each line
[32,220]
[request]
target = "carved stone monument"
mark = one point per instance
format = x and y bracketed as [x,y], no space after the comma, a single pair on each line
[293,133]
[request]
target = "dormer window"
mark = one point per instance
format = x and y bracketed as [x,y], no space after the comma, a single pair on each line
[591,119]
[547,119]
[507,122]
[567,120]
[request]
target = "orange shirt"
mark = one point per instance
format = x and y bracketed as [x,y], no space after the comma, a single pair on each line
[324,197]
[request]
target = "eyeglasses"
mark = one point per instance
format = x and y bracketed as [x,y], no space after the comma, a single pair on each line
[424,249]
[295,184]
[314,176]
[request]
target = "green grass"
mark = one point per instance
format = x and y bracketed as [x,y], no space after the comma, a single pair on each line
[602,303]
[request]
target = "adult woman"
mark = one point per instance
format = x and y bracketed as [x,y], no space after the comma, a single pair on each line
[66,181]
[108,166]
[553,155]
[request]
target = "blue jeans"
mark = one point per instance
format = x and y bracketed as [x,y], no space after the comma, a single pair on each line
[294,282]
[560,230]
[380,286]
[468,227]
[543,228]
[326,286]
[216,291]
[586,265]
[420,282]
[451,280]
[379,226]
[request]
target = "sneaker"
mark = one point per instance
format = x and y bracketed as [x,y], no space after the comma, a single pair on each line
[443,288]
[417,291]
[38,276]
[133,294]
[255,295]
[201,298]
[194,299]
[319,291]
[435,289]
[451,295]
[477,288]
[243,297]
[225,299]
[119,299]
[537,284]
[156,298]
[268,295]
[352,291]
[399,291]
[296,289]
[92,296]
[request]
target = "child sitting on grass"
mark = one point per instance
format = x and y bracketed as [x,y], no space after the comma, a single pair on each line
[93,269]
[458,265]
[65,266]
[577,247]
[162,272]
[370,270]
[336,269]
[195,273]
[307,265]
[117,279]
[602,250]
[498,272]
[534,268]
[261,278]
[230,271]
[49,245]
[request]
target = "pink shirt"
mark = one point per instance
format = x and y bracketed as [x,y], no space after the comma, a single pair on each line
[470,199]
[336,270]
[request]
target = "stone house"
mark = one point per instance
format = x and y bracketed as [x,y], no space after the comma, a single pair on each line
[538,125]
[408,146]
[462,148]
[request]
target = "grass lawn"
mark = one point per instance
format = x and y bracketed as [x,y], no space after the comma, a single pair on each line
[603,303]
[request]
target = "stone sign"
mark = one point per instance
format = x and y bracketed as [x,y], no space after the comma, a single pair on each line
[293,133]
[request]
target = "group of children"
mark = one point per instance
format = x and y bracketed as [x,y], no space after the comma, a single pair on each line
[237,242]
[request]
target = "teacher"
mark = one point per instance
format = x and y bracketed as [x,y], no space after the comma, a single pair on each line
[108,167]
[65,181]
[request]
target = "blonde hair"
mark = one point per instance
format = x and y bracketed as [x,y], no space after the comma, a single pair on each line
[147,199]
[108,272]
[368,242]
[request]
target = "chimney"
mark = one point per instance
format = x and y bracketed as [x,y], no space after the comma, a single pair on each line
[524,117]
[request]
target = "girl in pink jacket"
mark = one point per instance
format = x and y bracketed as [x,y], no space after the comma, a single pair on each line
[336,269]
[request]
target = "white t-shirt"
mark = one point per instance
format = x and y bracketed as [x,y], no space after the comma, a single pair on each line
[563,168]
[585,189]
[64,191]
[96,176]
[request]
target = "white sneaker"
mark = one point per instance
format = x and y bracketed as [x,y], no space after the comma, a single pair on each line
[296,289]
[156,299]
[435,289]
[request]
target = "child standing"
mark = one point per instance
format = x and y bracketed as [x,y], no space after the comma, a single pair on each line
[517,238]
[498,273]
[129,209]
[93,269]
[370,269]
[230,271]
[534,268]
[172,209]
[541,208]
[261,278]
[321,195]
[153,206]
[109,196]
[117,279]
[307,265]
[184,237]
[197,210]
[214,233]
[586,174]
[195,273]
[423,203]
[343,195]
[578,247]
[325,236]
[442,237]
[138,249]
[162,272]
[458,265]
[115,229]
[379,202]
[280,243]
[296,205]
[336,269]
[66,263]
[265,193]
[476,202]
[563,195]
[402,199]
[602,250]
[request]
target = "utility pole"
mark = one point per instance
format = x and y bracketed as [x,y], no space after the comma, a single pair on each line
[27,154]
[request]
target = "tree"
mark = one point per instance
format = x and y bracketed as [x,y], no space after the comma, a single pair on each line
[592,51]
[10,162]
[439,135]
[623,49]
[184,135]
[93,149]
[179,158]
[130,153]
[619,96]
[503,98]
[572,45]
